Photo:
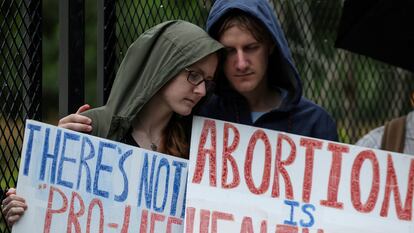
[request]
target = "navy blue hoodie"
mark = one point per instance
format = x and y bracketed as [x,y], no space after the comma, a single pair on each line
[296,114]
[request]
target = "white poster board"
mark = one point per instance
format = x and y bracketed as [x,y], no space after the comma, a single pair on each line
[73,182]
[246,179]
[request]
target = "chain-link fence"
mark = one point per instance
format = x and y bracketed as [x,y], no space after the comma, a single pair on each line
[20,82]
[359,92]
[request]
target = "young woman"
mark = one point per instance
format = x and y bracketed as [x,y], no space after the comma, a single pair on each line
[164,74]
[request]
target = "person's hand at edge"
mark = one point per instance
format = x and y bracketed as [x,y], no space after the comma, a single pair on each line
[13,207]
[76,121]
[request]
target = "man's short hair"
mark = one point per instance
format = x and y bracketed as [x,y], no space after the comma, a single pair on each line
[244,20]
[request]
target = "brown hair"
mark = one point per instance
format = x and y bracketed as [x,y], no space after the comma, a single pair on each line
[412,99]
[176,139]
[244,21]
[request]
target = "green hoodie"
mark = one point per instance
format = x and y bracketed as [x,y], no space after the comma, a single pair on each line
[156,57]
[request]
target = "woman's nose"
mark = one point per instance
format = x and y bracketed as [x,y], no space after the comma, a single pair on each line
[200,89]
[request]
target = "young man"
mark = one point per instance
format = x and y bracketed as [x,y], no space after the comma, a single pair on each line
[259,84]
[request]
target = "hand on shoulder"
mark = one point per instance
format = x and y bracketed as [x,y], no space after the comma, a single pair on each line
[76,121]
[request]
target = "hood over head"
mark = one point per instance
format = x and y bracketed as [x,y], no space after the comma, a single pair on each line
[281,72]
[156,57]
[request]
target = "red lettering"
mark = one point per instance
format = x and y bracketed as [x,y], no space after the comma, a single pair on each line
[189,219]
[127,214]
[144,221]
[310,145]
[204,221]
[247,225]
[156,218]
[286,229]
[403,213]
[263,227]
[171,221]
[98,203]
[50,211]
[355,184]
[280,166]
[335,175]
[264,186]
[292,229]
[73,217]
[219,216]
[227,156]
[209,125]
[306,230]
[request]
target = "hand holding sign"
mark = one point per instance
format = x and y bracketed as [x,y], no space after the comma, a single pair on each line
[13,207]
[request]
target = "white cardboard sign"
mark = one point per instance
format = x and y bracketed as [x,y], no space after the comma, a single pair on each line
[246,179]
[74,182]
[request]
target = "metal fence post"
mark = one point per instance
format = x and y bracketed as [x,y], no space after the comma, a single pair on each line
[71,55]
[106,56]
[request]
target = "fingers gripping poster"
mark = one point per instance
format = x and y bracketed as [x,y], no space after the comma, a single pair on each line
[73,182]
[246,179]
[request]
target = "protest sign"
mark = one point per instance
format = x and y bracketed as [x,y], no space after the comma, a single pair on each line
[73,182]
[246,179]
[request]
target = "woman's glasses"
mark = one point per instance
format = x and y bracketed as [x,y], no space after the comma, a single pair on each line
[196,78]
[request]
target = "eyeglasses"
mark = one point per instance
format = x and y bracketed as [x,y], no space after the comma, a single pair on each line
[196,78]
